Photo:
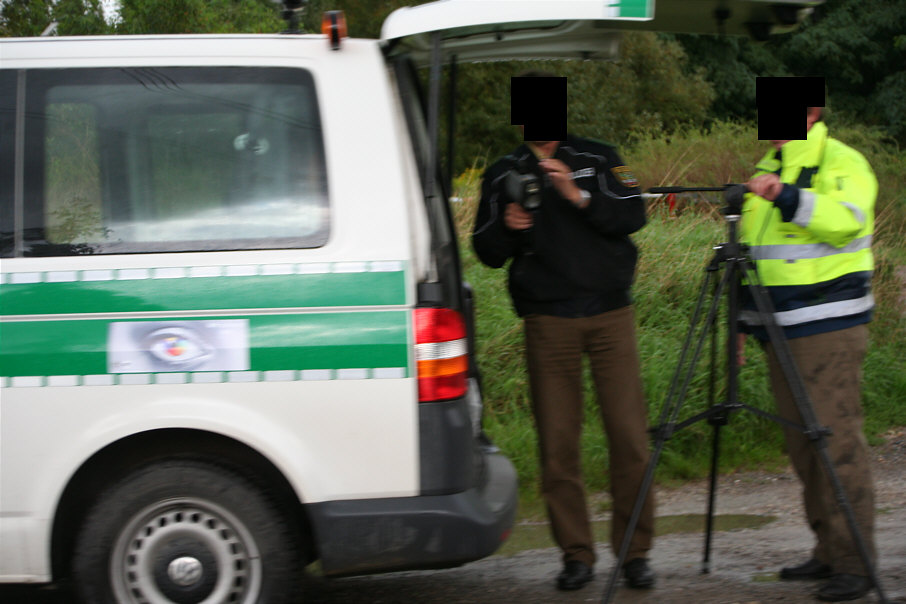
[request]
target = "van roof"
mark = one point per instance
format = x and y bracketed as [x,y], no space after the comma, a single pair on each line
[170,49]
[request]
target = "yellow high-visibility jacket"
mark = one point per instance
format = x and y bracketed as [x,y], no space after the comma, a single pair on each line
[812,245]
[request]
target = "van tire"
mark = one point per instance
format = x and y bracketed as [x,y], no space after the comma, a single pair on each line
[185,531]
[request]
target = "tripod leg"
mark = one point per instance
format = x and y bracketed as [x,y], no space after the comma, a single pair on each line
[721,418]
[687,346]
[812,430]
[668,416]
[712,494]
[633,521]
[716,422]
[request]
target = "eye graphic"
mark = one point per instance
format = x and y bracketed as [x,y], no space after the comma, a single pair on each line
[177,348]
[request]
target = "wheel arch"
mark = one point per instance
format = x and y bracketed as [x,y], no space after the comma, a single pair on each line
[125,455]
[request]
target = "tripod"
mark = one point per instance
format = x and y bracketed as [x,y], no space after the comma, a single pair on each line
[738,273]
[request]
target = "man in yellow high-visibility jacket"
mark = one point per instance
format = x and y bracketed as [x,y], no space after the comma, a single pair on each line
[809,222]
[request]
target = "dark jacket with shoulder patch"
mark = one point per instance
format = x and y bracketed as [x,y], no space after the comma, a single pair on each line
[572,262]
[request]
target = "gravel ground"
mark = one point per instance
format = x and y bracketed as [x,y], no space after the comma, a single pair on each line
[744,562]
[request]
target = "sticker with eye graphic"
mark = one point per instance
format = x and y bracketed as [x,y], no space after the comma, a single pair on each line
[161,346]
[177,348]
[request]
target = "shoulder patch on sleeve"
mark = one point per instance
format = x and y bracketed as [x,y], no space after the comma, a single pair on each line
[625,176]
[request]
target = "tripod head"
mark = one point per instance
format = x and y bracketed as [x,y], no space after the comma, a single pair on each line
[733,195]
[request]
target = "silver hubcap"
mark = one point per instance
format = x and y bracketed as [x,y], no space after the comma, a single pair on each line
[185,551]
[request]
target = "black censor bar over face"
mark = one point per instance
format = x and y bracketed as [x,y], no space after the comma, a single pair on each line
[538,104]
[782,104]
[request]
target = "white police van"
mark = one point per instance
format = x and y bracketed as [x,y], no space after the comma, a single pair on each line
[234,333]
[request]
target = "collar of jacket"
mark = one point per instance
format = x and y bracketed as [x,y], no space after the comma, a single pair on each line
[807,152]
[798,153]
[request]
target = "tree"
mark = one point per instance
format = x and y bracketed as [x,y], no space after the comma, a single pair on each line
[160,16]
[251,16]
[198,16]
[731,64]
[649,91]
[859,47]
[79,17]
[24,17]
[32,17]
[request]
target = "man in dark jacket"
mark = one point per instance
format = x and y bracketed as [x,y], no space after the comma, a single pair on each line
[571,271]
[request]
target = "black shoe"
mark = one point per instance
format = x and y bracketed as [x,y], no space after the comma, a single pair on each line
[813,569]
[638,574]
[575,575]
[843,587]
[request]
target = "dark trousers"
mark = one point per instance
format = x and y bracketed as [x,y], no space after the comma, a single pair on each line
[555,348]
[831,367]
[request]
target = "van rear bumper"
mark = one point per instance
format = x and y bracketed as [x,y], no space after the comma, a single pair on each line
[408,533]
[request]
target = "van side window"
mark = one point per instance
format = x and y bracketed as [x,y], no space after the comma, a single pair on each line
[7,160]
[72,194]
[172,159]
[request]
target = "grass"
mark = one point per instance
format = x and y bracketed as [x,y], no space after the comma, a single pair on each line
[675,247]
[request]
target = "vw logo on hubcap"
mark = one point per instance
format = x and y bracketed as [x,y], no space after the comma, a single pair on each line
[185,571]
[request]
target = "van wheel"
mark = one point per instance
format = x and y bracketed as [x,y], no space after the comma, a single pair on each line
[187,532]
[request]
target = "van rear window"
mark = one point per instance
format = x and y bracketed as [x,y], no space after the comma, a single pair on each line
[173,159]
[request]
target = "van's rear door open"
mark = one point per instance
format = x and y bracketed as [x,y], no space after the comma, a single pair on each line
[495,30]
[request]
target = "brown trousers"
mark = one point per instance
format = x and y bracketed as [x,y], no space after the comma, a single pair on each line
[555,348]
[831,368]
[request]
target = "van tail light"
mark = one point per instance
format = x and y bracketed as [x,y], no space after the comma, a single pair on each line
[441,354]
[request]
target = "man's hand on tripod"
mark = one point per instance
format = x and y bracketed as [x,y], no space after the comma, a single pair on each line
[766,185]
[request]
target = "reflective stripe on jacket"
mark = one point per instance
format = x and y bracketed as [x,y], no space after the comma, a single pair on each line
[814,256]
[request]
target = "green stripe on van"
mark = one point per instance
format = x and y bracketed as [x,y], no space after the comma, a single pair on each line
[638,9]
[120,294]
[297,342]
